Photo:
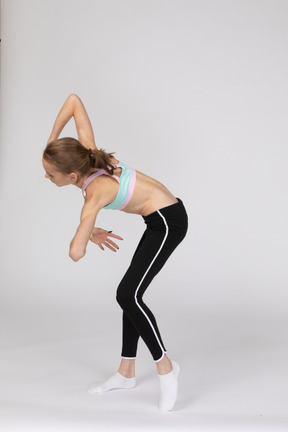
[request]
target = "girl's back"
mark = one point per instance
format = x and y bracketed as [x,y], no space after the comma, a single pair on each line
[148,195]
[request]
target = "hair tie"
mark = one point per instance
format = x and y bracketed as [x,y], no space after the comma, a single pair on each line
[91,157]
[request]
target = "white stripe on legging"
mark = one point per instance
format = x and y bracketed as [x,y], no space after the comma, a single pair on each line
[162,244]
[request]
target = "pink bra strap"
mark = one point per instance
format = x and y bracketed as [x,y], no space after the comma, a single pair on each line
[97,174]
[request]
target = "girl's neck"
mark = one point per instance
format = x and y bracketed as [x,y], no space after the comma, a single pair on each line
[83,178]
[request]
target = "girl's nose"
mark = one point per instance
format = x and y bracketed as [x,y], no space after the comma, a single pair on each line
[46,175]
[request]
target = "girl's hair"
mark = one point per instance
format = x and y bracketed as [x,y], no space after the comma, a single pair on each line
[69,155]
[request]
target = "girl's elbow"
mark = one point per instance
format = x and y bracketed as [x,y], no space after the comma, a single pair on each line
[76,255]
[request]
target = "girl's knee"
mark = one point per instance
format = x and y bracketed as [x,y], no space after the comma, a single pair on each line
[124,298]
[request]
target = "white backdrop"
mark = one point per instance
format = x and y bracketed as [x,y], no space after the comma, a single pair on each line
[193,93]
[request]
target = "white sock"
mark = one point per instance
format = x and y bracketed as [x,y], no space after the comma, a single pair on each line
[117,381]
[168,388]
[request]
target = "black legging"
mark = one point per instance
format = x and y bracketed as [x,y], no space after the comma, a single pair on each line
[166,228]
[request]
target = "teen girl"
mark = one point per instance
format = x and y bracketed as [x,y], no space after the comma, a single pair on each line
[108,183]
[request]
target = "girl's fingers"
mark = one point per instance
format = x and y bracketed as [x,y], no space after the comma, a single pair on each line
[109,241]
[115,236]
[109,247]
[112,243]
[106,241]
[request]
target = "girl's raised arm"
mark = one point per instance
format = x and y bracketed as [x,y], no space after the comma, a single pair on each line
[73,107]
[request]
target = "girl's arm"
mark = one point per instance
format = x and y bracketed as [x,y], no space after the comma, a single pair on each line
[73,107]
[87,221]
[95,200]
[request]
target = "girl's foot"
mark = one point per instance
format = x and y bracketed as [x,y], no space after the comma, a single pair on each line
[123,379]
[117,381]
[169,388]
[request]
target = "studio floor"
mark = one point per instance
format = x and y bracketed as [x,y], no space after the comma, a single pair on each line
[235,385]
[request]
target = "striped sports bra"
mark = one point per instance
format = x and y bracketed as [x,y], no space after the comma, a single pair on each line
[126,182]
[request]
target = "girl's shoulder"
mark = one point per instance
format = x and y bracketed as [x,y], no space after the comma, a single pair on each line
[99,181]
[101,189]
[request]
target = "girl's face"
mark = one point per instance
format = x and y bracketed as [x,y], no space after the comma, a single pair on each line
[57,177]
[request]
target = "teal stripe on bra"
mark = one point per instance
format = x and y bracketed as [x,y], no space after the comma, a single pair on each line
[124,182]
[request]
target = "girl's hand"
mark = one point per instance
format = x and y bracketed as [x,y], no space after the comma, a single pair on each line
[100,236]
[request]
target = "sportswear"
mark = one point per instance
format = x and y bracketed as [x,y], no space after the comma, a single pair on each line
[126,182]
[165,229]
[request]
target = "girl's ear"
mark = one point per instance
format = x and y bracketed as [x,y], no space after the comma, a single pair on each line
[74,177]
